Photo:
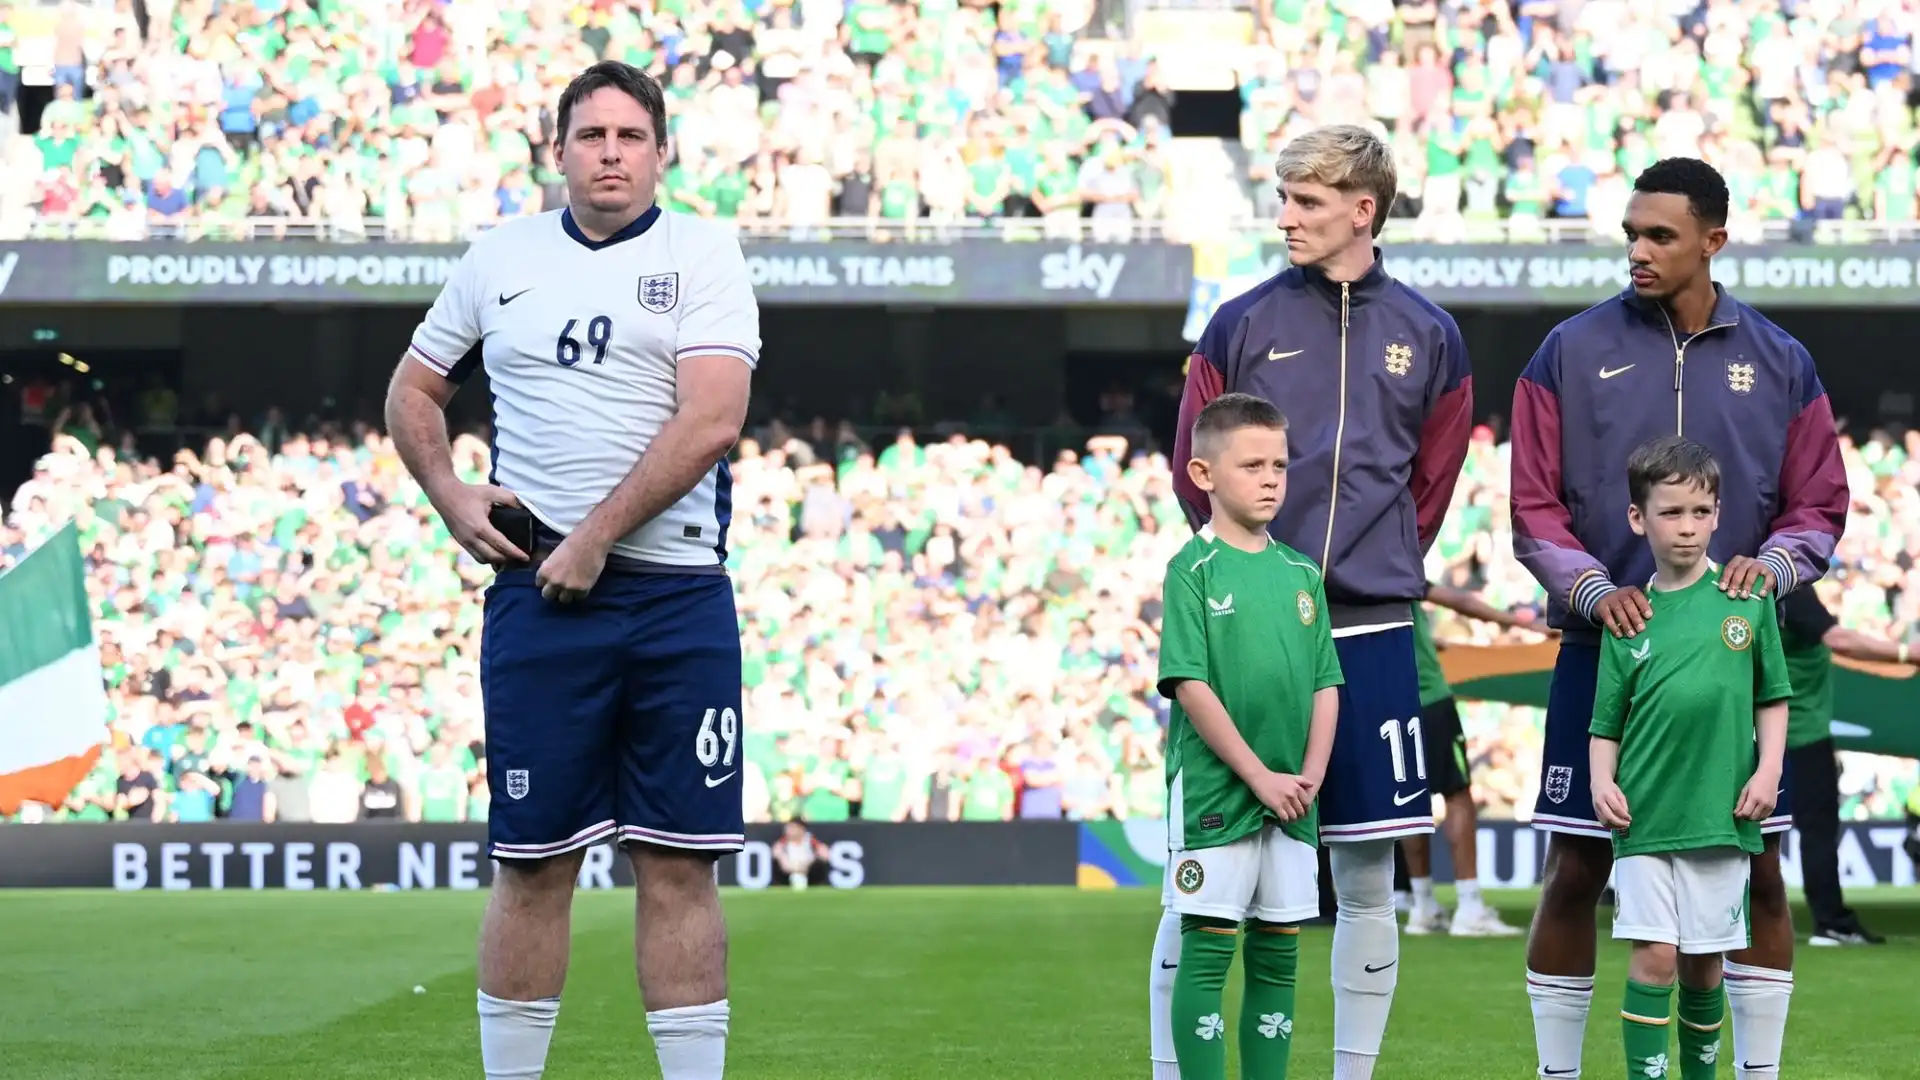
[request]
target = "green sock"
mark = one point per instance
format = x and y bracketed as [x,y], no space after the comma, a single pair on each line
[1643,1019]
[1266,1012]
[1701,1013]
[1199,1026]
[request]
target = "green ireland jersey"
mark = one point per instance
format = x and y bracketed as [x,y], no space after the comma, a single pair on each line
[1804,623]
[1253,626]
[1680,700]
[1426,657]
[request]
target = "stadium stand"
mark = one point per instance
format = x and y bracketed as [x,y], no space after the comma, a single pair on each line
[932,628]
[807,117]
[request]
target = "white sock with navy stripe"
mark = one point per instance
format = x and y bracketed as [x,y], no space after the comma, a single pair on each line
[1560,1007]
[1758,998]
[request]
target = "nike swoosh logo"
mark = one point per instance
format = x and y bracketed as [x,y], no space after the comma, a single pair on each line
[713,781]
[1164,966]
[1608,373]
[1399,800]
[505,300]
[1751,1067]
[1559,1072]
[1371,970]
[1274,354]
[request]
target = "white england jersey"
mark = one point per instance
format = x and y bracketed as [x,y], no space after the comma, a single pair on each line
[581,340]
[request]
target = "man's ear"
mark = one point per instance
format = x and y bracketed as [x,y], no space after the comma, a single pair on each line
[1636,521]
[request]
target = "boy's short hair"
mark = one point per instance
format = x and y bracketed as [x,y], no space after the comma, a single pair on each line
[1229,413]
[1671,459]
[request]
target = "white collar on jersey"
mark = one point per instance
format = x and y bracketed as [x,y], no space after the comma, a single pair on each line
[1711,565]
[1207,534]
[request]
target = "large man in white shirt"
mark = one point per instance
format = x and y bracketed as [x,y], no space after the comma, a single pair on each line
[618,342]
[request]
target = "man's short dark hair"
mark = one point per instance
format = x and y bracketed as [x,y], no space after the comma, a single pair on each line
[1701,183]
[1671,459]
[625,78]
[1229,413]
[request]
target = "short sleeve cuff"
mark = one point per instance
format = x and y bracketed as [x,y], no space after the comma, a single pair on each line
[1786,578]
[1170,681]
[1588,592]
[444,367]
[719,348]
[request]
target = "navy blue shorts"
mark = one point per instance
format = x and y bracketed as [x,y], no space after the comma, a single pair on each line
[1377,784]
[1565,803]
[613,717]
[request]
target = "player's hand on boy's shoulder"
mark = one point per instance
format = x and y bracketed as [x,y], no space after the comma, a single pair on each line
[1624,611]
[1287,795]
[1757,799]
[1610,805]
[1744,577]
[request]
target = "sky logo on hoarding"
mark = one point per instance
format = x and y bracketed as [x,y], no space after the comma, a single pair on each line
[1078,270]
[7,262]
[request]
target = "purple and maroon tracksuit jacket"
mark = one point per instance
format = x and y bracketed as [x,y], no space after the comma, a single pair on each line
[1378,395]
[1618,375]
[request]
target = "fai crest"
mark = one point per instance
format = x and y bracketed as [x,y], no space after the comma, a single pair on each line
[1740,378]
[1399,359]
[1304,601]
[516,783]
[659,292]
[1736,633]
[1559,783]
[1188,877]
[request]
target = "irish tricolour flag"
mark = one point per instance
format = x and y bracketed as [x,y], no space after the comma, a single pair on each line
[53,707]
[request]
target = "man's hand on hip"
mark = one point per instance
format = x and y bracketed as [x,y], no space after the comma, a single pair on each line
[465,507]
[1745,577]
[568,574]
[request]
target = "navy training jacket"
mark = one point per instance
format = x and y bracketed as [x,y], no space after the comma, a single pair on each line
[1618,375]
[1378,395]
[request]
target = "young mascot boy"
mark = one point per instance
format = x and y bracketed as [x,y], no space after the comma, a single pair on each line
[1677,775]
[1247,657]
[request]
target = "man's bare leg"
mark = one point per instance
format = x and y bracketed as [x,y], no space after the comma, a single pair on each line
[1425,916]
[1561,946]
[1471,915]
[1760,977]
[525,940]
[680,956]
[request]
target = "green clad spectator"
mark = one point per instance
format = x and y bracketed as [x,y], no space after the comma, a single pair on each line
[987,793]
[442,786]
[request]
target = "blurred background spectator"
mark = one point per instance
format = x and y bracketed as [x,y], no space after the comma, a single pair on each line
[428,120]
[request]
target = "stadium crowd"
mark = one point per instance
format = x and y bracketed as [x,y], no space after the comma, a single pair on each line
[931,630]
[788,113]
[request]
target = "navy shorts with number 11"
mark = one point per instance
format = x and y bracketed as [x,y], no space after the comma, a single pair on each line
[617,716]
[1377,785]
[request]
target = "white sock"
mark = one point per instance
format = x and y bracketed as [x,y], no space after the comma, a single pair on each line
[1560,1006]
[1758,998]
[1350,1066]
[1166,961]
[691,1041]
[514,1036]
[1366,954]
[1422,893]
[1467,889]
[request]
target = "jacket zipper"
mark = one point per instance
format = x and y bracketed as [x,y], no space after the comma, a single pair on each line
[1680,368]
[1339,436]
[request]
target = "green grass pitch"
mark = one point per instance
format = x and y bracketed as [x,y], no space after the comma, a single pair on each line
[888,984]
